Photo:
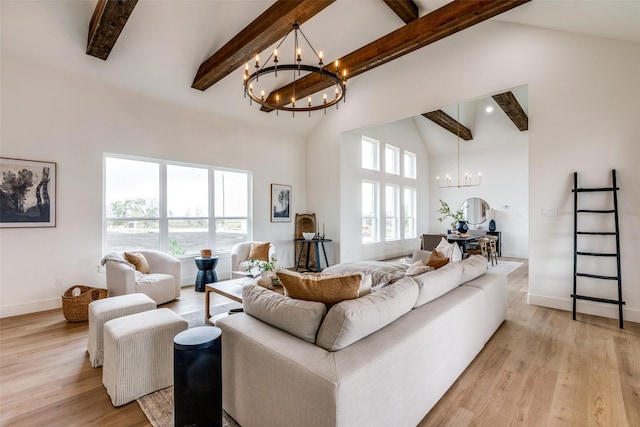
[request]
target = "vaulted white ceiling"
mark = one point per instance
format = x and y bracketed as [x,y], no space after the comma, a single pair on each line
[164,42]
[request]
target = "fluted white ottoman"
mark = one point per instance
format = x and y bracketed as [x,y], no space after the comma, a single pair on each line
[103,310]
[138,353]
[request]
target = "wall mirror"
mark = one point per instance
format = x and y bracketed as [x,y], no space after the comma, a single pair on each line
[475,210]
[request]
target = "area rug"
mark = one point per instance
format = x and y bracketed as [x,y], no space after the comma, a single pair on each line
[504,266]
[196,318]
[158,407]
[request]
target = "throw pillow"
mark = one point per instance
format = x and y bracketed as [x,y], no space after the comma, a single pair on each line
[416,268]
[326,288]
[450,250]
[420,255]
[437,260]
[299,318]
[139,261]
[259,251]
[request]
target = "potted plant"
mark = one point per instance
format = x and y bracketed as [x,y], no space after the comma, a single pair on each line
[457,216]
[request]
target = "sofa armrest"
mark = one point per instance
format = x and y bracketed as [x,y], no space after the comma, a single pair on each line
[161,262]
[268,374]
[121,278]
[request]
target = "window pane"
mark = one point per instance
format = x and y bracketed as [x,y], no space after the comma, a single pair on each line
[132,189]
[369,212]
[391,212]
[187,192]
[391,159]
[188,236]
[127,235]
[409,165]
[229,232]
[370,149]
[231,194]
[410,213]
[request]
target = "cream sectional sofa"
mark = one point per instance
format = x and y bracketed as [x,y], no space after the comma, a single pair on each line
[384,359]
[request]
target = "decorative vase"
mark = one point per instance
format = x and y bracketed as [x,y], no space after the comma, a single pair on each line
[462,227]
[492,225]
[205,253]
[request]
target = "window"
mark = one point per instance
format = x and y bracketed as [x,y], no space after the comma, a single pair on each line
[391,201]
[391,159]
[370,156]
[154,204]
[132,196]
[409,165]
[410,213]
[231,209]
[370,212]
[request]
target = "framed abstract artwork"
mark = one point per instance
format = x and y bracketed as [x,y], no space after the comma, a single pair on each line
[280,203]
[27,193]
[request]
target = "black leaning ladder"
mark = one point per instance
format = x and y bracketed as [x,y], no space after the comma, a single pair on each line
[614,188]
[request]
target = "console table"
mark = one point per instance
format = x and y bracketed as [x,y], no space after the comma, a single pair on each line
[319,243]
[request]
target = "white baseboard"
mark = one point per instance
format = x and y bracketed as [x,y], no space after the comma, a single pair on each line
[586,307]
[30,307]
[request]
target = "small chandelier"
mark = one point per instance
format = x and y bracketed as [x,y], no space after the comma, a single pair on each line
[468,178]
[296,68]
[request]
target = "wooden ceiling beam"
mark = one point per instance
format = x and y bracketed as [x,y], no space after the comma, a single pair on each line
[442,22]
[512,108]
[108,21]
[271,26]
[441,118]
[407,10]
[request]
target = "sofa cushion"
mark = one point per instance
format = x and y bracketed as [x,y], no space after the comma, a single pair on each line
[138,260]
[450,250]
[329,289]
[437,260]
[472,267]
[299,318]
[350,321]
[437,283]
[259,251]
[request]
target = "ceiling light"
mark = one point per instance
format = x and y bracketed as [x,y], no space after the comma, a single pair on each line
[489,109]
[266,73]
[468,178]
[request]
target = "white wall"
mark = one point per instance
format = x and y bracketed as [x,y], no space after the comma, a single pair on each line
[584,101]
[402,134]
[60,118]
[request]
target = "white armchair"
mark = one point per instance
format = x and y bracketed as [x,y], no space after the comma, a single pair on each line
[162,283]
[240,256]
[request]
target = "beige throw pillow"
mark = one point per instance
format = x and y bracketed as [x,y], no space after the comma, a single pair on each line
[259,251]
[329,289]
[416,268]
[139,261]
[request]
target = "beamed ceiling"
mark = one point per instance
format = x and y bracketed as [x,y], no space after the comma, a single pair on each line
[110,17]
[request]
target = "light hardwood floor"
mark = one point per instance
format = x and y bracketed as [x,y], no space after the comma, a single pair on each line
[539,369]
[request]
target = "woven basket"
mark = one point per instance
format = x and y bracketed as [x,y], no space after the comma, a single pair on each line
[76,309]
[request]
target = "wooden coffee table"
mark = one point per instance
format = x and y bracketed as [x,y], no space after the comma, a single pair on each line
[231,289]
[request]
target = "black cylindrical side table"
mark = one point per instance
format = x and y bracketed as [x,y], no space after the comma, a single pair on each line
[206,272]
[197,377]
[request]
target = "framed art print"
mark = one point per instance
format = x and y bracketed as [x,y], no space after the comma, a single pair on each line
[27,193]
[280,203]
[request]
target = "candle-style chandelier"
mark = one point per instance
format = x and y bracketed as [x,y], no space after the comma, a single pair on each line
[468,178]
[296,69]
